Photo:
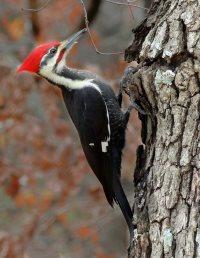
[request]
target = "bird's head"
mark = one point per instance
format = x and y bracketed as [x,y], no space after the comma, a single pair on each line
[49,58]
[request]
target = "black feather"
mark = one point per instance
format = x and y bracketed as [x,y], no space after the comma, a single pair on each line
[89,111]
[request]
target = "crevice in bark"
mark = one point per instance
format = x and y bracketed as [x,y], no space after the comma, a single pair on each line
[166,85]
[140,33]
[140,157]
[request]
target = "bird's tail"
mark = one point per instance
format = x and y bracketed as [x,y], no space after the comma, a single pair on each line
[121,200]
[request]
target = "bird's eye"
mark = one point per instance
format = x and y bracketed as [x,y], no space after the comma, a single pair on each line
[53,50]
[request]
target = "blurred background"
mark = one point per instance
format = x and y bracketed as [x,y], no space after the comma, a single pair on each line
[51,204]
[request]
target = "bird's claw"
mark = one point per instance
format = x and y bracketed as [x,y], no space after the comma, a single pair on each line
[137,107]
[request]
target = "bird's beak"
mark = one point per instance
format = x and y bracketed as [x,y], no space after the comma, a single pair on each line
[68,43]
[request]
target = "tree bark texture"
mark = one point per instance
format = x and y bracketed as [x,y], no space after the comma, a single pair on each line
[167,173]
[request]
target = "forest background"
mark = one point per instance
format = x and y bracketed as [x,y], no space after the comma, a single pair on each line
[51,204]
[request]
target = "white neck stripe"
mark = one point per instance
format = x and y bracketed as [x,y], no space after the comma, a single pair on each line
[66,82]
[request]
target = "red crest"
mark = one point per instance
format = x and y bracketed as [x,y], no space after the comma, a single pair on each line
[32,61]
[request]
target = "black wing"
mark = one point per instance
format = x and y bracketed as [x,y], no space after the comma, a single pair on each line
[95,138]
[93,128]
[118,126]
[106,165]
[101,130]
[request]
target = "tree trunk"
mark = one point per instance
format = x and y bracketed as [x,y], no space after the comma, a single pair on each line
[167,173]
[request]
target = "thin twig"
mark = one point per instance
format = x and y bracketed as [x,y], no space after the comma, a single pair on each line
[127,4]
[38,9]
[92,11]
[130,9]
[90,34]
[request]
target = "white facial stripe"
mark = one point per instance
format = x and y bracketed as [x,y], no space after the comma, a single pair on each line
[61,64]
[51,62]
[48,72]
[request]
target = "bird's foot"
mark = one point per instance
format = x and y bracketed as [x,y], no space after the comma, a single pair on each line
[137,107]
[125,82]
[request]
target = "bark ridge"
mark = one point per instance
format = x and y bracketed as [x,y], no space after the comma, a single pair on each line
[167,174]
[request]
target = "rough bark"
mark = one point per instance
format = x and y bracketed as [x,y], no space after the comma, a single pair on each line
[167,174]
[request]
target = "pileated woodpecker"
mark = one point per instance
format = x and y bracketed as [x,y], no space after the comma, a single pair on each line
[95,111]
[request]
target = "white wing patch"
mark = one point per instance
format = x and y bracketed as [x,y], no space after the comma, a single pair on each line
[104,144]
[91,144]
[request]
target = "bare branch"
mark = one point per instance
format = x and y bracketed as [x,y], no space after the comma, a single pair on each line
[38,9]
[129,3]
[130,9]
[89,17]
[92,12]
[34,19]
[90,34]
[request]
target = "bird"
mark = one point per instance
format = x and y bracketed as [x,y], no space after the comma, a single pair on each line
[95,111]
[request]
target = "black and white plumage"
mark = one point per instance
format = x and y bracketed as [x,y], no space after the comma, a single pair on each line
[96,113]
[101,124]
